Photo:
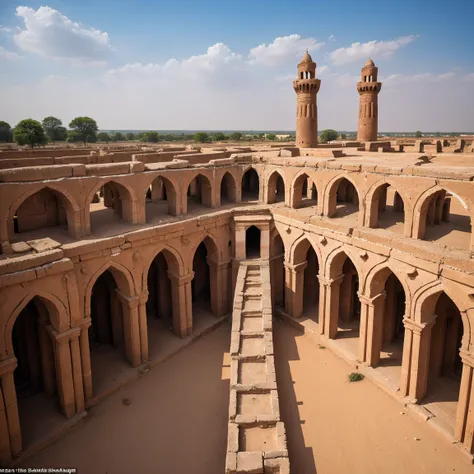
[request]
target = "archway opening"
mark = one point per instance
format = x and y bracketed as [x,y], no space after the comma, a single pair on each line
[106,332]
[445,218]
[276,188]
[250,185]
[349,303]
[45,209]
[311,285]
[445,364]
[199,193]
[228,189]
[201,283]
[35,376]
[252,242]
[387,209]
[160,200]
[277,271]
[343,200]
[110,207]
[304,192]
[159,306]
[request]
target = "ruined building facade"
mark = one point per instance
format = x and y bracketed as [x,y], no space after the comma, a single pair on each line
[107,255]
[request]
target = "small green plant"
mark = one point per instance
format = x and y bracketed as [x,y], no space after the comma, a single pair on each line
[355,377]
[321,346]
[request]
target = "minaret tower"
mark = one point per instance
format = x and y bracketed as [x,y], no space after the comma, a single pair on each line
[306,88]
[368,89]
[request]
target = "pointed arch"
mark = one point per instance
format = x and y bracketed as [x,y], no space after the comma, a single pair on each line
[251,184]
[303,191]
[341,189]
[275,188]
[228,187]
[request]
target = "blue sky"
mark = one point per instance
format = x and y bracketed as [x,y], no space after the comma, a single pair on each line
[229,65]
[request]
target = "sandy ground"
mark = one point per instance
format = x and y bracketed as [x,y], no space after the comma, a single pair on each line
[335,427]
[176,422]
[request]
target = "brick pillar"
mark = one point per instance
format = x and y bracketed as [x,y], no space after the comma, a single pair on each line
[416,357]
[64,372]
[86,359]
[10,433]
[219,284]
[329,304]
[182,303]
[131,328]
[294,288]
[371,328]
[464,429]
[143,325]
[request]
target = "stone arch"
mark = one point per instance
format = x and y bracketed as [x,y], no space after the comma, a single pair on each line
[228,187]
[252,241]
[122,276]
[161,188]
[57,313]
[205,286]
[275,188]
[424,303]
[376,203]
[173,258]
[304,191]
[116,195]
[343,309]
[351,194]
[251,184]
[433,208]
[63,197]
[199,189]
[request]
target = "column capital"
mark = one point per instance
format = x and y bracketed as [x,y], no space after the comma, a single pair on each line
[330,281]
[143,298]
[467,358]
[85,324]
[218,265]
[299,267]
[8,365]
[181,279]
[66,336]
[131,301]
[372,300]
[416,326]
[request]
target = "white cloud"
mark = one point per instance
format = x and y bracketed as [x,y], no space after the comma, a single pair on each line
[373,49]
[468,77]
[49,33]
[5,29]
[332,38]
[4,54]
[426,77]
[283,49]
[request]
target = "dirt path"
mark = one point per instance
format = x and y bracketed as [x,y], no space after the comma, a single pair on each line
[176,422]
[335,427]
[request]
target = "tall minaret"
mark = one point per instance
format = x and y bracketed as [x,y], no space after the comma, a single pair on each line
[306,88]
[368,89]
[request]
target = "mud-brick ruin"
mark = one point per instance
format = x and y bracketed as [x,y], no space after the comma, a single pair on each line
[110,255]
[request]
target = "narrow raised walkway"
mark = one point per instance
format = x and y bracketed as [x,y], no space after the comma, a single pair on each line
[256,440]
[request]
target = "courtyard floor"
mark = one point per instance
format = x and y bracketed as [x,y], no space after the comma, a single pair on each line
[176,421]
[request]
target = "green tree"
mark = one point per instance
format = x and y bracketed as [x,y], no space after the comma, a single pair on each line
[53,128]
[218,137]
[103,137]
[29,132]
[150,137]
[236,136]
[61,134]
[343,136]
[118,137]
[201,137]
[130,136]
[418,134]
[85,129]
[328,135]
[271,136]
[6,134]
